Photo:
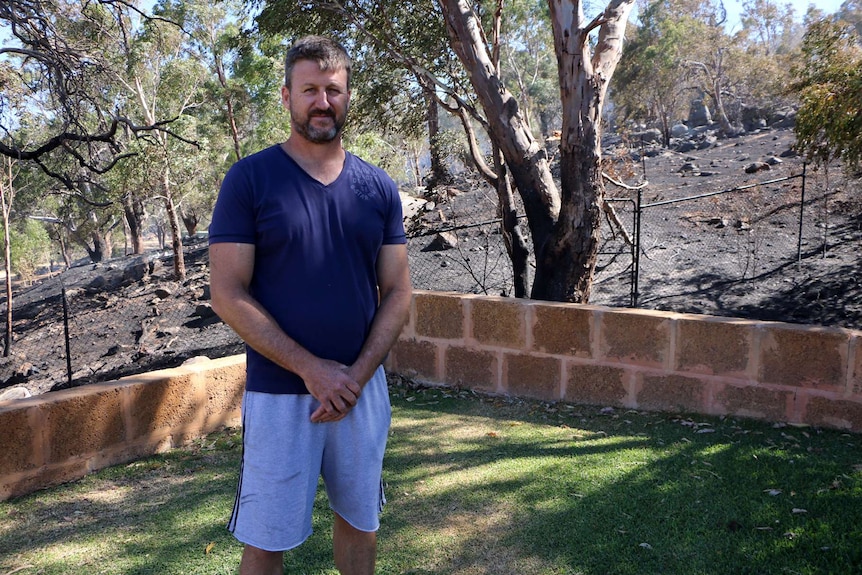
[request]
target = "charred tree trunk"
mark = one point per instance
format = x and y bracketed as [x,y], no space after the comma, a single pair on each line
[564,226]
[513,237]
[6,200]
[102,248]
[231,115]
[135,214]
[440,175]
[64,250]
[190,221]
[526,158]
[174,223]
[565,271]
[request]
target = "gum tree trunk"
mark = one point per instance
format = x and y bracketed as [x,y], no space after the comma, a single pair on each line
[564,222]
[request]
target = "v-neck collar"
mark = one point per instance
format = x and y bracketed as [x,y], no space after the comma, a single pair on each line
[341,175]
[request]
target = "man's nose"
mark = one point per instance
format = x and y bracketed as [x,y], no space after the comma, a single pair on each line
[321,100]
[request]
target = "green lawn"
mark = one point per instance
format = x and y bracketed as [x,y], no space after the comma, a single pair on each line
[481,485]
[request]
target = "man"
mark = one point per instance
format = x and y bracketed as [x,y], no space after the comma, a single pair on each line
[308,264]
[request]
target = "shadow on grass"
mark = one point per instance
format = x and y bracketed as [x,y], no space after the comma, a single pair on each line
[587,493]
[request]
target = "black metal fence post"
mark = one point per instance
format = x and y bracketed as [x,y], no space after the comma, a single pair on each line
[66,335]
[636,250]
[801,218]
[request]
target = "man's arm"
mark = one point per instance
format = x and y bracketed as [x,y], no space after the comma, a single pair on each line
[393,281]
[231,268]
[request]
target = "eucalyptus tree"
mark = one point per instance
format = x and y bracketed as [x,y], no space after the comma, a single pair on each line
[8,175]
[770,25]
[829,83]
[652,81]
[70,62]
[154,74]
[214,32]
[528,62]
[563,221]
[54,64]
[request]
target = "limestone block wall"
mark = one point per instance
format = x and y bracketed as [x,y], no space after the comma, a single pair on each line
[637,359]
[64,435]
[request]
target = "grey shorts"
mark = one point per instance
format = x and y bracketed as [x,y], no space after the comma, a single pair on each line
[284,455]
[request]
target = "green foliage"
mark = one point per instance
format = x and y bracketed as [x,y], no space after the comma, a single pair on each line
[528,63]
[829,82]
[30,248]
[453,146]
[682,49]
[373,148]
[651,83]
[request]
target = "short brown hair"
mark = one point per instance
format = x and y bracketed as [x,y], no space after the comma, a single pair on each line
[329,55]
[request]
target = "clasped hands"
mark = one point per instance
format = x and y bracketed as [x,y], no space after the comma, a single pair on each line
[335,387]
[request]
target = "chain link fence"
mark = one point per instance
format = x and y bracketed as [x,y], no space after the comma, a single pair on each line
[103,321]
[762,249]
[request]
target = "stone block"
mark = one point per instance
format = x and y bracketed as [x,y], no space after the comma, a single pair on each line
[21,449]
[439,316]
[635,337]
[162,405]
[670,393]
[834,413]
[412,358]
[499,322]
[83,421]
[753,402]
[224,384]
[532,376]
[595,385]
[563,329]
[473,368]
[18,484]
[804,356]
[714,346]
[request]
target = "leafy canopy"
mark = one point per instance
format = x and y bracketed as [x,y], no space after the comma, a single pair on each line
[829,82]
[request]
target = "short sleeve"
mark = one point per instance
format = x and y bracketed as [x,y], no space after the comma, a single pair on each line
[394,231]
[233,217]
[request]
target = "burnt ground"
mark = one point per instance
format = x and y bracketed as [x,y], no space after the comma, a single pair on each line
[748,253]
[739,254]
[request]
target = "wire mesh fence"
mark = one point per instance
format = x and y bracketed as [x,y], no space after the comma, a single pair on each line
[104,321]
[740,250]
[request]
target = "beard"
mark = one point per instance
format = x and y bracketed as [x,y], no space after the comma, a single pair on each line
[304,127]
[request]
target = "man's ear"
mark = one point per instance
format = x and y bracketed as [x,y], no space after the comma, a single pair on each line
[285,97]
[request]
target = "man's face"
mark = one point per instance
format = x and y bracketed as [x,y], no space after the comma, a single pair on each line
[318,101]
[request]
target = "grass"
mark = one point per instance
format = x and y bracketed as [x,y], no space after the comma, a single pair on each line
[481,485]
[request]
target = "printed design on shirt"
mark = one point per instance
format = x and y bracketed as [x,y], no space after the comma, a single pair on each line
[362,181]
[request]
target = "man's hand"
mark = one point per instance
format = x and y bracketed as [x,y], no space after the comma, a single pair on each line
[331,385]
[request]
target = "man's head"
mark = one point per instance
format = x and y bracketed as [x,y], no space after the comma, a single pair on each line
[317,88]
[329,55]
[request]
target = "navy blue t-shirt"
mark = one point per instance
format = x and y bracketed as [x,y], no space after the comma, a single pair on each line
[316,250]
